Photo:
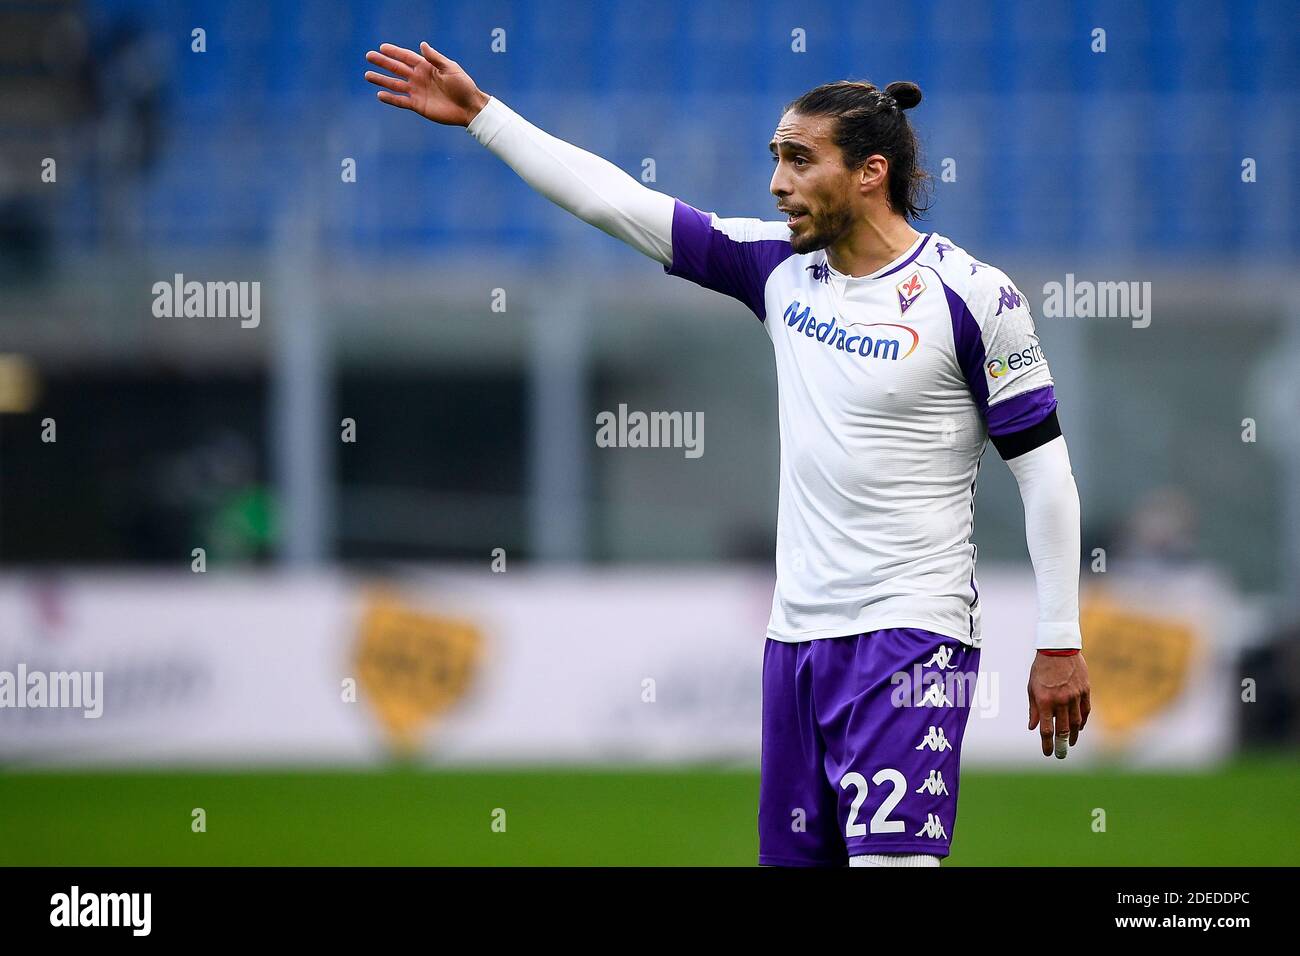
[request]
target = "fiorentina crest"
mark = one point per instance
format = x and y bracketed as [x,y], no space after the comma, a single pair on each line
[909,290]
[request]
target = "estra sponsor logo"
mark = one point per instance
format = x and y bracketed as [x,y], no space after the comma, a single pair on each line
[894,344]
[998,367]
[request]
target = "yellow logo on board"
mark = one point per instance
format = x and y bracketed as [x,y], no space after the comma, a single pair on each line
[1138,663]
[414,666]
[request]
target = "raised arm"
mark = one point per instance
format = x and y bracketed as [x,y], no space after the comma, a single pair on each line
[592,188]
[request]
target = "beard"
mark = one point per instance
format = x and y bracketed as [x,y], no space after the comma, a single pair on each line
[822,230]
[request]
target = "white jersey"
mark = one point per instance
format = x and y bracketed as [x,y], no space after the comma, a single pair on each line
[889,387]
[889,384]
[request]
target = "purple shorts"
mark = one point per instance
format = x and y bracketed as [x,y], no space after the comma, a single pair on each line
[861,745]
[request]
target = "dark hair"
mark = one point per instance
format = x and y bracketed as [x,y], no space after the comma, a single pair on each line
[871,121]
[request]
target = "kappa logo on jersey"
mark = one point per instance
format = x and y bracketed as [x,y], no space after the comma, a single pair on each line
[1010,298]
[934,739]
[941,248]
[909,290]
[933,828]
[886,347]
[941,659]
[934,785]
[821,271]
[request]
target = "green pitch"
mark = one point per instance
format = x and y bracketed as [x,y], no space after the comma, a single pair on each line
[1241,815]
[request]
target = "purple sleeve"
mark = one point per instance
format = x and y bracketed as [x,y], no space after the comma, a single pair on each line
[1021,411]
[713,257]
[1007,415]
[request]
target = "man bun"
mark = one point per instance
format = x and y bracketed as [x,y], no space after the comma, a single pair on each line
[906,94]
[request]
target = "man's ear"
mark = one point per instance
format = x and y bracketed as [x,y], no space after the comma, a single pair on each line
[872,173]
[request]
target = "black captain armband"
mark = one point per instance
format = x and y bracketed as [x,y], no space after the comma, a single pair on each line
[1027,439]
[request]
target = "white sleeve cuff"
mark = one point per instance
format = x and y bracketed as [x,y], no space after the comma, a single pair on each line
[491,120]
[1058,636]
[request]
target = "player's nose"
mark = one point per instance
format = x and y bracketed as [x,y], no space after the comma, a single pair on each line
[778,187]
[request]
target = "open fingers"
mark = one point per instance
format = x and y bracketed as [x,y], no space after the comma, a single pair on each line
[388,82]
[392,99]
[396,67]
[409,57]
[434,57]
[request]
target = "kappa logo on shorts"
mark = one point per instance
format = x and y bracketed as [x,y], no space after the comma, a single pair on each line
[942,658]
[935,697]
[934,739]
[934,785]
[933,828]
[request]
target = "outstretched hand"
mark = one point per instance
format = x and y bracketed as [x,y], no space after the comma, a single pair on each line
[426,83]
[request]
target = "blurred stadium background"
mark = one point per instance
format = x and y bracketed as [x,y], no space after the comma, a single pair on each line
[471,617]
